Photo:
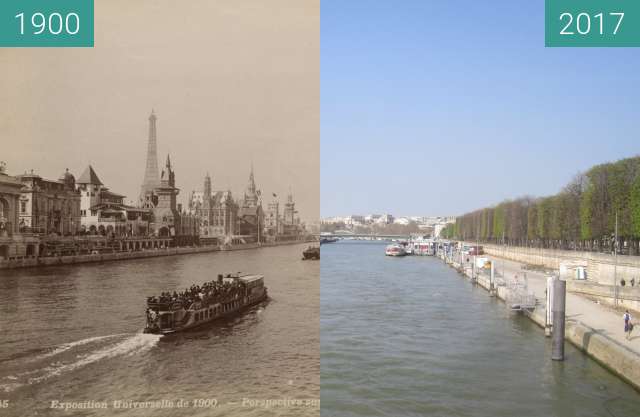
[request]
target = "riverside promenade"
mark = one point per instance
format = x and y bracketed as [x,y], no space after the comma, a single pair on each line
[596,329]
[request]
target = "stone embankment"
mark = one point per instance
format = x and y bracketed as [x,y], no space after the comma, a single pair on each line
[121,256]
[592,327]
[603,272]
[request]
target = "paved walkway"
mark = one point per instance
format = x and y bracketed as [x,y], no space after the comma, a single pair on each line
[604,319]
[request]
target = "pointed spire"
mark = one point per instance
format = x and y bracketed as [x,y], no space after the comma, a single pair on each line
[168,164]
[89,176]
[151,174]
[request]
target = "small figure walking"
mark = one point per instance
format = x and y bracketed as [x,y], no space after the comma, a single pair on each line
[628,326]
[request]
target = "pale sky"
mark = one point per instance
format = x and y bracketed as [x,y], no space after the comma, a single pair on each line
[231,81]
[442,107]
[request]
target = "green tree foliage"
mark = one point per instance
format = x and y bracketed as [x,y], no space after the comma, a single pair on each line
[634,205]
[582,214]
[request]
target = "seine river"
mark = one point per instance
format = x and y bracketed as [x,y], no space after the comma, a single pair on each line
[410,337]
[73,335]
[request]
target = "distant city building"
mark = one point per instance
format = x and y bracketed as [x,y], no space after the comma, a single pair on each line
[371,218]
[49,206]
[385,219]
[402,221]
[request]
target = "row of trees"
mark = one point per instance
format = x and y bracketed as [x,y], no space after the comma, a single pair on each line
[582,216]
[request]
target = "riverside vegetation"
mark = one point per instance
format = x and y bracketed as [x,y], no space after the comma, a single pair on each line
[582,216]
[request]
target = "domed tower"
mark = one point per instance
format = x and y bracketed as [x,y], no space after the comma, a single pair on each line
[68,180]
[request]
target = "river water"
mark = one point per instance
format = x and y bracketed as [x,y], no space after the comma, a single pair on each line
[73,334]
[410,337]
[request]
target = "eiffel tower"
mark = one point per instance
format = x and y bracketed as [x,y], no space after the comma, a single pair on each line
[151,178]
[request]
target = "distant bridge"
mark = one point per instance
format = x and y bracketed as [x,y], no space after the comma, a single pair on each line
[340,234]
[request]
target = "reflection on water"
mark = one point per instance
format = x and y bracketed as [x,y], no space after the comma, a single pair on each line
[74,334]
[410,337]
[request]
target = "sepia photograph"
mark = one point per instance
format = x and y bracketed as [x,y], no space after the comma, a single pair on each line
[159,207]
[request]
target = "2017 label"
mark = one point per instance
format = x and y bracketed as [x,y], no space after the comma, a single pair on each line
[583,23]
[588,23]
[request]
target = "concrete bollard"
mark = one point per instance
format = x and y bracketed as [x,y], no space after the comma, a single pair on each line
[559,302]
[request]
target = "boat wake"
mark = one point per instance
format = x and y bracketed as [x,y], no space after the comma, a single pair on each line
[72,356]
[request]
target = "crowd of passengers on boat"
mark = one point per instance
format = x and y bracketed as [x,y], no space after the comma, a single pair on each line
[212,291]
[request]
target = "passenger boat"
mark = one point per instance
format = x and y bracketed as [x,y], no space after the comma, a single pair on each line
[395,250]
[311,253]
[216,299]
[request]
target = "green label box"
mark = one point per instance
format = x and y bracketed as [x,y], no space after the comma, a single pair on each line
[590,23]
[46,23]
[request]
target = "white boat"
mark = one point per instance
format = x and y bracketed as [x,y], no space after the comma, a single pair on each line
[395,250]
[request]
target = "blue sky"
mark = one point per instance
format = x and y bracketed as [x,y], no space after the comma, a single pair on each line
[441,107]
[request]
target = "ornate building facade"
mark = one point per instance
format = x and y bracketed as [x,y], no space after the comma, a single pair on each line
[166,217]
[49,207]
[250,214]
[13,243]
[103,212]
[272,220]
[290,221]
[9,203]
[217,213]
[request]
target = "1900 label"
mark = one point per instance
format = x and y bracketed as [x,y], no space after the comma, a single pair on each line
[46,23]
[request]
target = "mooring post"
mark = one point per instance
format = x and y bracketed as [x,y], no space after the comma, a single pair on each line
[473,269]
[559,302]
[548,317]
[492,279]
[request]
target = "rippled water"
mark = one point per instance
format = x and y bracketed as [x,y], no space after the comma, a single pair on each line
[73,334]
[410,337]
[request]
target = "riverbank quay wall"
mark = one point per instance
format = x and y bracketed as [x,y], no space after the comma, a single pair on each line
[617,358]
[121,256]
[601,271]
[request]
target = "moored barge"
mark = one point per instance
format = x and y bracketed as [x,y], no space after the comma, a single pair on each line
[199,305]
